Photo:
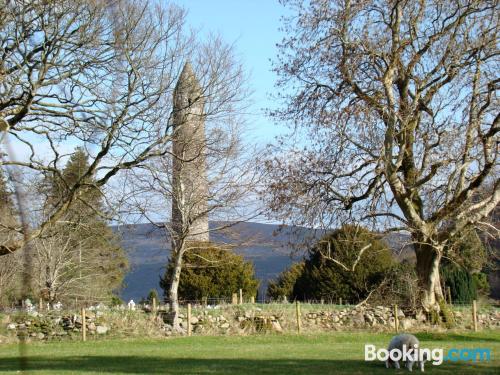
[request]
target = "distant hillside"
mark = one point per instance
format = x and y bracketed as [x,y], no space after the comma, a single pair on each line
[265,245]
[148,250]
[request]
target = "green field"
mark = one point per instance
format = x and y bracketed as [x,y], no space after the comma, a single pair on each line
[336,353]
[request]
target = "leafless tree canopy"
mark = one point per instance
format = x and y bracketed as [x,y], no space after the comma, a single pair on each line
[68,266]
[208,174]
[397,101]
[100,75]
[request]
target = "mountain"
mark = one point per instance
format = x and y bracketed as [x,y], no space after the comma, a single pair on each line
[270,247]
[266,245]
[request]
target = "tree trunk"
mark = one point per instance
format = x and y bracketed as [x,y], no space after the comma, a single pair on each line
[173,291]
[49,286]
[428,260]
[52,298]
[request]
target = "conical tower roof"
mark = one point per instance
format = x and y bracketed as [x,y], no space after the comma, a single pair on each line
[188,81]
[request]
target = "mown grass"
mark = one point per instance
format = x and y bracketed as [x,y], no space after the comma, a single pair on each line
[336,353]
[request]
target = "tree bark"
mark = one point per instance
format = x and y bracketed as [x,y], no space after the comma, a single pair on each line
[173,297]
[428,260]
[49,285]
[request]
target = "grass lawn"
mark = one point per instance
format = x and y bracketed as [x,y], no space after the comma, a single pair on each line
[336,353]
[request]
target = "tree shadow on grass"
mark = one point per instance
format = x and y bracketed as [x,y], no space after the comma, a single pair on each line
[159,365]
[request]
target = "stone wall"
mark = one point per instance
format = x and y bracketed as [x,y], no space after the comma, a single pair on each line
[233,320]
[377,318]
[53,325]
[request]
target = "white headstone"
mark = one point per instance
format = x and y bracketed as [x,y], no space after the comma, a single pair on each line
[131,305]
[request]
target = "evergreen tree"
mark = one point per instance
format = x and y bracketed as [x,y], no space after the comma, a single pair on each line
[466,256]
[468,251]
[213,271]
[324,278]
[8,218]
[57,185]
[283,286]
[10,265]
[460,281]
[481,283]
[152,295]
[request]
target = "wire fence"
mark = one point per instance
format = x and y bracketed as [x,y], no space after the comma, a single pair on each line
[214,316]
[209,302]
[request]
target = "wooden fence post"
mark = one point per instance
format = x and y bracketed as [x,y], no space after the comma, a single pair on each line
[154,305]
[340,301]
[204,302]
[189,319]
[241,296]
[252,300]
[297,312]
[396,318]
[474,315]
[235,299]
[84,325]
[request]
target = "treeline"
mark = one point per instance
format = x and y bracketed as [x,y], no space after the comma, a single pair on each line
[352,265]
[79,258]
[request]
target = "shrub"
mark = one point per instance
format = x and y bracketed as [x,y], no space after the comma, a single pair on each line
[400,286]
[460,281]
[116,301]
[324,278]
[283,286]
[153,294]
[214,271]
[481,283]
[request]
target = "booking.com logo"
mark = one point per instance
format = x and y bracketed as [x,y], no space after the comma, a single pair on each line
[436,356]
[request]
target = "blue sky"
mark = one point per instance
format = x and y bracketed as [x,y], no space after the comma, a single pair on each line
[252,26]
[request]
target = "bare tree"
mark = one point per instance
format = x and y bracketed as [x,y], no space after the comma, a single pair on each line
[9,278]
[398,103]
[57,268]
[209,173]
[231,180]
[73,264]
[86,73]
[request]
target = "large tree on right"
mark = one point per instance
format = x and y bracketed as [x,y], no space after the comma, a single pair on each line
[395,117]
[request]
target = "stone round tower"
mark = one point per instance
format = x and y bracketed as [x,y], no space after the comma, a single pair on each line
[190,188]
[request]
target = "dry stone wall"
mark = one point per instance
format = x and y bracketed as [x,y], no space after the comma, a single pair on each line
[231,320]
